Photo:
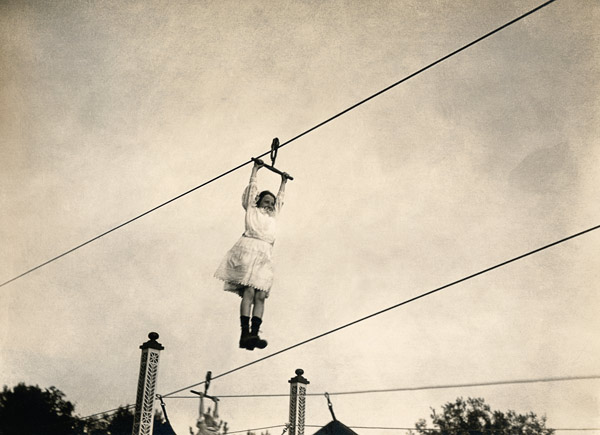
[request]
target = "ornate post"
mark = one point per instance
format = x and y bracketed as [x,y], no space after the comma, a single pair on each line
[144,405]
[297,402]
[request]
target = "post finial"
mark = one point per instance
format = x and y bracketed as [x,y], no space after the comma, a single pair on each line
[152,343]
[299,379]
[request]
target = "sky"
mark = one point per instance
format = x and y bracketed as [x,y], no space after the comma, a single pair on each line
[109,109]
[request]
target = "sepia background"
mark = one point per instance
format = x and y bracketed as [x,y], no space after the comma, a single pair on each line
[109,109]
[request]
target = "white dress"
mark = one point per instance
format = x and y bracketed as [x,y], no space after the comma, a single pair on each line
[248,262]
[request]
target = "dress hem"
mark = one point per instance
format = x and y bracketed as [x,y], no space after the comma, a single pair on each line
[241,284]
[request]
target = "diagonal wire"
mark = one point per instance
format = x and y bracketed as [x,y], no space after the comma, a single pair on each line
[440,60]
[401,389]
[431,430]
[127,222]
[245,431]
[464,47]
[481,272]
[384,390]
[456,431]
[110,411]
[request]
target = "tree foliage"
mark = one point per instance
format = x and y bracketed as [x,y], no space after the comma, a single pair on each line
[120,422]
[29,410]
[474,417]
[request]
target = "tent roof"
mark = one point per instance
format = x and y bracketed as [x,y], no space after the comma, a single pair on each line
[335,428]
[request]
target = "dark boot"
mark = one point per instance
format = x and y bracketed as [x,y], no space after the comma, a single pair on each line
[256,340]
[245,339]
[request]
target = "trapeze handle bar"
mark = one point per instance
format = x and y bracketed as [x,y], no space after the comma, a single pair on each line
[213,398]
[272,168]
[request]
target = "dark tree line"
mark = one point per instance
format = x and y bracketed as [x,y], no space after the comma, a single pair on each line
[475,417]
[30,410]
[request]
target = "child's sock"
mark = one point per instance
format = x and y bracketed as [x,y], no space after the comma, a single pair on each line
[256,322]
[245,324]
[245,339]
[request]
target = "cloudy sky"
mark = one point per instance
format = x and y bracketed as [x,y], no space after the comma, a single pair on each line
[112,108]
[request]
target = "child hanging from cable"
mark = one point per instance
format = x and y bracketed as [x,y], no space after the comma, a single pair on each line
[246,268]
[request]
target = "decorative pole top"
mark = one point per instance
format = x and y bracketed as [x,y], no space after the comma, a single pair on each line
[299,379]
[152,343]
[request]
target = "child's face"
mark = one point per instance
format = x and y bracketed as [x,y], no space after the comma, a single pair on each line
[267,202]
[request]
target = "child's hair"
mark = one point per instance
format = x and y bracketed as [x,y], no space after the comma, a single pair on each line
[262,194]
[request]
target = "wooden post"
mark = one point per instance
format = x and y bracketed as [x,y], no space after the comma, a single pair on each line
[143,420]
[297,403]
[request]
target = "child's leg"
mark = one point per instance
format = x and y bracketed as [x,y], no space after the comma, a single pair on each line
[247,301]
[259,303]
[246,342]
[257,314]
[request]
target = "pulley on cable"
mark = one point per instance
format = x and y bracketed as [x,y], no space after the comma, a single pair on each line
[273,156]
[209,423]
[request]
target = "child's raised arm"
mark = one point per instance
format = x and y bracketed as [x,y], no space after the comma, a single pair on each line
[252,188]
[257,165]
[281,193]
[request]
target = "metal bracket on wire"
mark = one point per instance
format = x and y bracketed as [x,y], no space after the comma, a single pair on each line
[273,155]
[163,406]
[274,147]
[206,387]
[330,406]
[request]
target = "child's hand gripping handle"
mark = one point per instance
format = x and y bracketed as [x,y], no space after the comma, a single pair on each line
[262,164]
